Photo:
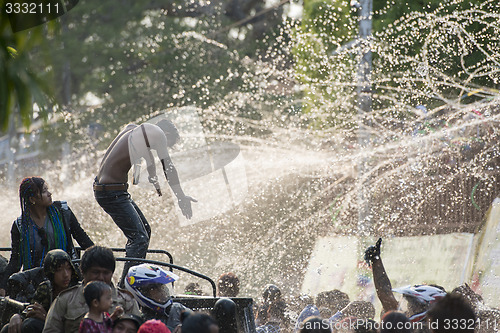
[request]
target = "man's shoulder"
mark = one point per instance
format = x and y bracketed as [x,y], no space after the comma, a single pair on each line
[179,306]
[69,292]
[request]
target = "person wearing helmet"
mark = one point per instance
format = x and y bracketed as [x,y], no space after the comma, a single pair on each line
[416,299]
[152,287]
[60,273]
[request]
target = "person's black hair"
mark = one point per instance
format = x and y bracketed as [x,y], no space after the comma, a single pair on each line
[186,313]
[366,326]
[94,290]
[315,325]
[228,285]
[395,321]
[99,256]
[334,300]
[198,323]
[193,288]
[30,187]
[449,309]
[271,293]
[224,313]
[138,321]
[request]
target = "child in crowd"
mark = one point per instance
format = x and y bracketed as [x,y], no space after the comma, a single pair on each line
[98,297]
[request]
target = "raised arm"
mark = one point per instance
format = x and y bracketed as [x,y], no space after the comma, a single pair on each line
[380,279]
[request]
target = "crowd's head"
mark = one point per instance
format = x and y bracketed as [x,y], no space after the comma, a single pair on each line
[228,285]
[128,323]
[395,322]
[193,288]
[30,189]
[59,269]
[315,325]
[200,323]
[98,295]
[335,300]
[452,313]
[271,293]
[153,326]
[151,286]
[98,264]
[171,132]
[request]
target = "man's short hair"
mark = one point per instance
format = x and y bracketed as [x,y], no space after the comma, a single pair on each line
[334,300]
[228,285]
[170,131]
[453,308]
[395,321]
[99,256]
[315,325]
[198,323]
[361,310]
[132,317]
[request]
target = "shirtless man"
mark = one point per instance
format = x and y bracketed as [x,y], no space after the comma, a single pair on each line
[110,186]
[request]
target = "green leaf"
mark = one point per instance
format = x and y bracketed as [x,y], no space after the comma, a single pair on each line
[12,51]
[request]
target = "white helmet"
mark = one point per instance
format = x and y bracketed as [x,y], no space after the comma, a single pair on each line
[423,293]
[151,286]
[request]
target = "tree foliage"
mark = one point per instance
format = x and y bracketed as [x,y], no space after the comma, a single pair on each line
[20,85]
[424,52]
[139,57]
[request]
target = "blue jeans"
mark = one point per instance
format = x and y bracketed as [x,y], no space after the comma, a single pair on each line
[129,218]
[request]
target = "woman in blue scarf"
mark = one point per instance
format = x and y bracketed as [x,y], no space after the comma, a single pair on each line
[43,225]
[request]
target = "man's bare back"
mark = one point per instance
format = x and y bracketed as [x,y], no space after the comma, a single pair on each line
[116,163]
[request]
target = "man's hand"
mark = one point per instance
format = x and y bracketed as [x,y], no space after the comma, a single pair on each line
[36,311]
[185,205]
[15,324]
[372,253]
[156,184]
[117,313]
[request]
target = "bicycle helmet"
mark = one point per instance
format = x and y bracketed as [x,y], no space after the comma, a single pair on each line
[422,293]
[151,286]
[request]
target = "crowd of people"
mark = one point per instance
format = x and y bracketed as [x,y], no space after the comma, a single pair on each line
[69,295]
[82,298]
[418,309]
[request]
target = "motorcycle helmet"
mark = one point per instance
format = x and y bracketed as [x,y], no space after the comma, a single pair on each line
[151,286]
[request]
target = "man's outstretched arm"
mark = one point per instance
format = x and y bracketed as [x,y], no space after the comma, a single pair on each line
[183,200]
[380,279]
